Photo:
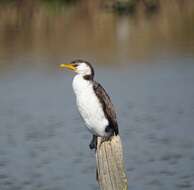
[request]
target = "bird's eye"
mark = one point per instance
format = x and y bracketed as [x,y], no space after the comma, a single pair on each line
[75,64]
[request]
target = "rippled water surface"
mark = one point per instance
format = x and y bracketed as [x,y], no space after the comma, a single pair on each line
[145,63]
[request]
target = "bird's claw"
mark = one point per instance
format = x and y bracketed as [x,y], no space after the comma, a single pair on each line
[93,143]
[92,146]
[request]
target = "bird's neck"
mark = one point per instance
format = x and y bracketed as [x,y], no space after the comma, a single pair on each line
[80,84]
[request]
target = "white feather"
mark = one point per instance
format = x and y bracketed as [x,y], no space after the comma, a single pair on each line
[89,106]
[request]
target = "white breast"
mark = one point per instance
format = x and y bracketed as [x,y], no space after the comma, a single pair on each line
[89,106]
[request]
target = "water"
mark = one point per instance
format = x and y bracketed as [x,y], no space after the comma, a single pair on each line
[146,65]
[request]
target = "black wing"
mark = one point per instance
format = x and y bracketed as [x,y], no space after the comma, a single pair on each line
[107,105]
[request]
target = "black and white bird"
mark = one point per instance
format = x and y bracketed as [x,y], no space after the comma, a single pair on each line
[93,102]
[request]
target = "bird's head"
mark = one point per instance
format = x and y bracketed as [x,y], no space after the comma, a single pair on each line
[81,67]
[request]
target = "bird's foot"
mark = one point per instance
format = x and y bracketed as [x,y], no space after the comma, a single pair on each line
[92,146]
[93,143]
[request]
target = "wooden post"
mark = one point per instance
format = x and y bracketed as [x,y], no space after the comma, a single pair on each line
[110,172]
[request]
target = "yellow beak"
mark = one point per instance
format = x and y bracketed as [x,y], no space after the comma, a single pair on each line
[68,66]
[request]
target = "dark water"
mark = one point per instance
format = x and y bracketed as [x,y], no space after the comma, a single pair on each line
[146,65]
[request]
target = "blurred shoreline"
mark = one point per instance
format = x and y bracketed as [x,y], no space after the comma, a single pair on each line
[48,26]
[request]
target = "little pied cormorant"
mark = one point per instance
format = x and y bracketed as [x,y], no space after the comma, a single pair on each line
[93,102]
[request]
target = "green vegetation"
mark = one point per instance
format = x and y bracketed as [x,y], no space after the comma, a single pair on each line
[117,6]
[48,2]
[125,6]
[53,5]
[130,6]
[58,2]
[7,1]
[151,4]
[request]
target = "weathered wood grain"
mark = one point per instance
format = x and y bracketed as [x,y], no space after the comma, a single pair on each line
[111,173]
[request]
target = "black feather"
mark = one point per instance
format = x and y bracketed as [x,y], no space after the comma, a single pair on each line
[107,106]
